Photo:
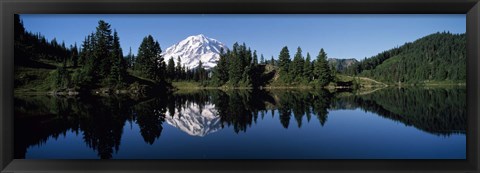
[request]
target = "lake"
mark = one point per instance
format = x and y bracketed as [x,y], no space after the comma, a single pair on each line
[388,123]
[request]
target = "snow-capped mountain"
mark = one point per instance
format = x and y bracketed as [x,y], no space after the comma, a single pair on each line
[194,49]
[196,121]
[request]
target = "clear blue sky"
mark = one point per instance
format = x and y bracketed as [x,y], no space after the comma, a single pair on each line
[342,36]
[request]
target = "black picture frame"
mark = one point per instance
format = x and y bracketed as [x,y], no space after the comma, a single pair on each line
[10,7]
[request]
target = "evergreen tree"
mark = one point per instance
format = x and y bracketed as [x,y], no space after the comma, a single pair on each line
[307,68]
[101,52]
[85,51]
[19,29]
[171,69]
[235,65]
[284,64]
[247,57]
[296,68]
[74,56]
[200,74]
[262,59]
[255,58]
[160,73]
[284,59]
[220,72]
[247,77]
[321,71]
[118,71]
[130,58]
[149,63]
[178,69]
[89,60]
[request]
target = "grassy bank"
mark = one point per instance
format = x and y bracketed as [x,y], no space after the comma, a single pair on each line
[33,80]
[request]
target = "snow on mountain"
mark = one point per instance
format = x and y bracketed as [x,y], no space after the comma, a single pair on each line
[195,121]
[194,49]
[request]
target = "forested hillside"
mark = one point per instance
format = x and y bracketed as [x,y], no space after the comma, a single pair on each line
[97,66]
[30,47]
[436,57]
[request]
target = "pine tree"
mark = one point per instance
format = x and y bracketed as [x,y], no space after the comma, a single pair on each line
[255,58]
[85,51]
[161,69]
[178,69]
[247,77]
[149,63]
[307,68]
[87,59]
[101,52]
[20,52]
[284,59]
[171,69]
[262,59]
[200,73]
[296,68]
[118,71]
[19,29]
[321,70]
[96,56]
[284,64]
[221,70]
[74,56]
[130,58]
[247,57]
[235,65]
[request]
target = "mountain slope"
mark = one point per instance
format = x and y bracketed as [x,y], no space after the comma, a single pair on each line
[341,64]
[433,58]
[194,49]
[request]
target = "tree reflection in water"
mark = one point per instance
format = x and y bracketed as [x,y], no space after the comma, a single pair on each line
[439,111]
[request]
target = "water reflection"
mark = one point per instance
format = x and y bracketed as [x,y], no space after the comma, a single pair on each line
[101,120]
[195,119]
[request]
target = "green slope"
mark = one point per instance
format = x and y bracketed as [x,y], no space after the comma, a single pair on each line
[436,58]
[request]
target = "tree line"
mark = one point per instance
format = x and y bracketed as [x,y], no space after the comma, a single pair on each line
[303,70]
[99,62]
[241,67]
[30,46]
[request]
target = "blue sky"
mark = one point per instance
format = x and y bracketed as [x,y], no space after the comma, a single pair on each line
[342,36]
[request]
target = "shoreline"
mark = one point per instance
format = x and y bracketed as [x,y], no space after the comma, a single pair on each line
[126,92]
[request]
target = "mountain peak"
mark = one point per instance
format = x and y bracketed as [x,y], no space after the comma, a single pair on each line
[199,37]
[194,49]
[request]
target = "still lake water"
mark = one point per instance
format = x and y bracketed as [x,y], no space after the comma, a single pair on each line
[390,123]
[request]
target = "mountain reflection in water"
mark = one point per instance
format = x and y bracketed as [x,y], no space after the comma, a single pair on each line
[196,120]
[227,123]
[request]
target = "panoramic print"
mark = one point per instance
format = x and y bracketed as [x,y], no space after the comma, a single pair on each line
[238,86]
